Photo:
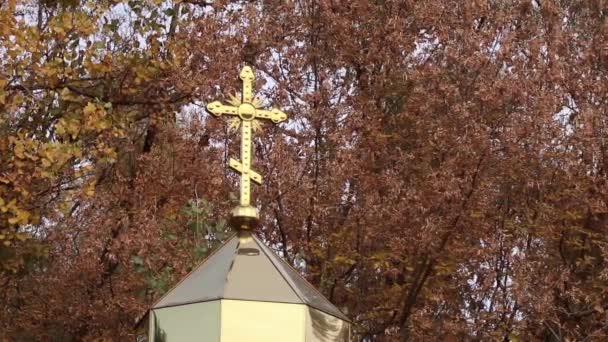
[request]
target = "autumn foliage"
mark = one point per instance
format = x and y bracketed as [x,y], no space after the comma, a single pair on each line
[443,175]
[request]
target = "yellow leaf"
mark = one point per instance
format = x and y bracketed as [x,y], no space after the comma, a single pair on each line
[46,163]
[344,260]
[19,151]
[476,214]
[31,156]
[12,204]
[24,193]
[90,189]
[21,216]
[89,109]
[65,207]
[65,92]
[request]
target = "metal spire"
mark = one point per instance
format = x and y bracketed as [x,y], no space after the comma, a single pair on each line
[247,113]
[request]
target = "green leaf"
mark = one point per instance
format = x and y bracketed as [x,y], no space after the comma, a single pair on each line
[170,236]
[200,252]
[196,226]
[137,260]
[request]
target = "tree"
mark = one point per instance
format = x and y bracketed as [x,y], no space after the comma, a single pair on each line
[442,176]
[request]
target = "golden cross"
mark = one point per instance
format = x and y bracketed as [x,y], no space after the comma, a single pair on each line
[246,112]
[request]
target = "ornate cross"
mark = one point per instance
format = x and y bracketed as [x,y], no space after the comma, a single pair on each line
[247,113]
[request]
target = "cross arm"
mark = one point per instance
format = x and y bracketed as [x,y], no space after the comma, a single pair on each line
[217,108]
[238,167]
[276,115]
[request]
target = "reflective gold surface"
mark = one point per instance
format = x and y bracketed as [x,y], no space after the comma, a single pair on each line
[248,113]
[252,321]
[321,327]
[244,268]
[262,321]
[245,289]
[186,323]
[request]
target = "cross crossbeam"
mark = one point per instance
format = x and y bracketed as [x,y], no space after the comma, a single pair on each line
[247,112]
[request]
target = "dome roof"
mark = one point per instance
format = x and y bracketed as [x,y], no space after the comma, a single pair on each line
[243,268]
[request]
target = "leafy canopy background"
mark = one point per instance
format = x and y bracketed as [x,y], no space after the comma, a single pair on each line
[443,175]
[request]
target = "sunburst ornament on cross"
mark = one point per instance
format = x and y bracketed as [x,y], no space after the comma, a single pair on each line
[246,114]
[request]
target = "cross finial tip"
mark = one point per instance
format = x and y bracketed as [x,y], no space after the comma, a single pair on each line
[247,74]
[213,106]
[278,116]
